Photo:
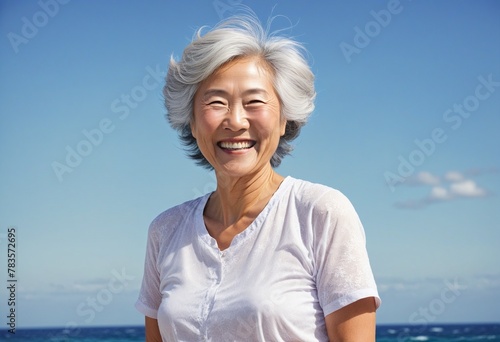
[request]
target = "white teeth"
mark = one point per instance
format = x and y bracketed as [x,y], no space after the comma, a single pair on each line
[235,145]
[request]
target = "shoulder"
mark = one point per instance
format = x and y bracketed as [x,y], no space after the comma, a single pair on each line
[169,220]
[319,198]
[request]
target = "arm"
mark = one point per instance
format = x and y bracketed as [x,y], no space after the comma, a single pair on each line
[152,330]
[354,322]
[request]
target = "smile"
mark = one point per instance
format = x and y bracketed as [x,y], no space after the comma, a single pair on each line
[236,145]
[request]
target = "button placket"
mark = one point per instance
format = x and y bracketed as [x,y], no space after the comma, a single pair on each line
[215,274]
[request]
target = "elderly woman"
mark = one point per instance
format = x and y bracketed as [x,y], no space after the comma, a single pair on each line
[263,257]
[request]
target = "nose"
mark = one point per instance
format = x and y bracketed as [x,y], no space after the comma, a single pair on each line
[236,118]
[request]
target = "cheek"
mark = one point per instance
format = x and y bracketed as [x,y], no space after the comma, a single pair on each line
[203,125]
[269,124]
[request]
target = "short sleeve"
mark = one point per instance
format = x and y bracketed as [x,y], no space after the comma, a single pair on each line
[342,267]
[149,296]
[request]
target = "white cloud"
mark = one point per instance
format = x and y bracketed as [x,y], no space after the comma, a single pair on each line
[424,178]
[457,186]
[428,178]
[467,188]
[439,193]
[454,176]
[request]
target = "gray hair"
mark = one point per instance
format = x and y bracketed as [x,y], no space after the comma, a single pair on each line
[238,37]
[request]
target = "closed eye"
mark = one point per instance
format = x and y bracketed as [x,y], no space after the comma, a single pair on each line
[255,102]
[218,103]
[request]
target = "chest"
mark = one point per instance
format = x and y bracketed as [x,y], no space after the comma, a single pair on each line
[259,285]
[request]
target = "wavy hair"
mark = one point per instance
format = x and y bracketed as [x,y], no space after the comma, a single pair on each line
[236,37]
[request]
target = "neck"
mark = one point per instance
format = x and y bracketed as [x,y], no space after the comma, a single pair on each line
[243,197]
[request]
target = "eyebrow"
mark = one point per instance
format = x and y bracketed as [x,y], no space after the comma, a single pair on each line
[214,92]
[255,91]
[221,92]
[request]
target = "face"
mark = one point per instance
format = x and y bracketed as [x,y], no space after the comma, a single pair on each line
[237,122]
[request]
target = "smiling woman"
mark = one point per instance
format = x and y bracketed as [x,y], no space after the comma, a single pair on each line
[280,58]
[237,122]
[263,257]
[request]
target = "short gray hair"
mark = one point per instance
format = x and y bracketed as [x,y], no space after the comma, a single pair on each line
[237,37]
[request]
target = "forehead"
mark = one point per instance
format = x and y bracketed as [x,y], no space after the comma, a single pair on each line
[256,61]
[241,70]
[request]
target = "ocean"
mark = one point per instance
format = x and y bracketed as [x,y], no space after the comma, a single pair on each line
[385,333]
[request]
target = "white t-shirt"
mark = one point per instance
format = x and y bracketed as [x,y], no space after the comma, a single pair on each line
[302,258]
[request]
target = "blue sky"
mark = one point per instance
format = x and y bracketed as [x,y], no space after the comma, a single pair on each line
[406,125]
